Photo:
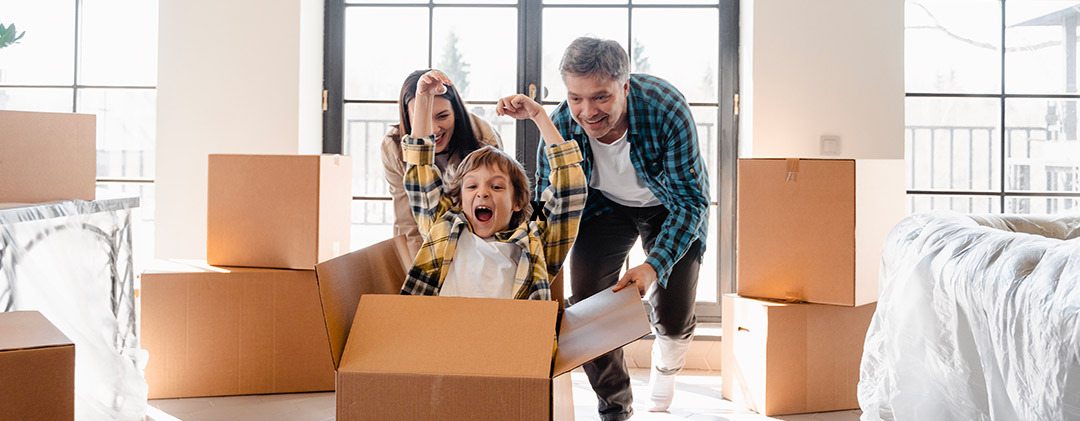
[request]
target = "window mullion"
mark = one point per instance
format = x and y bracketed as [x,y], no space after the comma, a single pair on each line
[431,35]
[727,143]
[1001,128]
[334,76]
[75,73]
[530,62]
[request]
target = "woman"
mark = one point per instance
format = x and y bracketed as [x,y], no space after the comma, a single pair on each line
[457,132]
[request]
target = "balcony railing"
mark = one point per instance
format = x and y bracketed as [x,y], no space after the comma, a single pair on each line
[965,161]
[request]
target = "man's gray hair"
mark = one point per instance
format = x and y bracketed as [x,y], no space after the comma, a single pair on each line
[594,56]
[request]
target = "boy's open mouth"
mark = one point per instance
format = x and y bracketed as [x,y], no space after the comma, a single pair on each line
[483,214]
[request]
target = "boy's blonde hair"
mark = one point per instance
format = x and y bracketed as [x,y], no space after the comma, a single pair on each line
[489,156]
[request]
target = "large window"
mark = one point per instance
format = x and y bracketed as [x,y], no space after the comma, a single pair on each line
[992,106]
[94,57]
[493,48]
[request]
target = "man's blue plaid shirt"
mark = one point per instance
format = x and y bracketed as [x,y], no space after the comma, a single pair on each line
[664,150]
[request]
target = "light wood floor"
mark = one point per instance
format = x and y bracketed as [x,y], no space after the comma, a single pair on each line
[697,397]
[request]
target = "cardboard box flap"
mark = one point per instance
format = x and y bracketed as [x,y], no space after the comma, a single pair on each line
[452,336]
[28,330]
[598,324]
[377,269]
[335,181]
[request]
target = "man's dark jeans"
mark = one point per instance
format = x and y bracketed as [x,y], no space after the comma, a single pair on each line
[596,259]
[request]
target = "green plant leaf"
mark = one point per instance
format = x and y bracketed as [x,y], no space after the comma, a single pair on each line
[9,35]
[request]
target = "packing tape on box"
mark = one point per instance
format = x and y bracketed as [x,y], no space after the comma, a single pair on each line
[792,169]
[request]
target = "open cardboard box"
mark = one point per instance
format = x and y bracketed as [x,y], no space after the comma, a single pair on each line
[409,357]
[37,369]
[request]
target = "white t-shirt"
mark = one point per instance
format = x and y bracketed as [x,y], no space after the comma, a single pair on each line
[615,177]
[481,269]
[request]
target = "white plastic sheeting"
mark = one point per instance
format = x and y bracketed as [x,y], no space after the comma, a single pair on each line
[72,261]
[978,319]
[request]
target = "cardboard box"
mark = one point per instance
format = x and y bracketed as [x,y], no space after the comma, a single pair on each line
[45,157]
[782,358]
[37,369]
[278,211]
[812,230]
[233,331]
[410,357]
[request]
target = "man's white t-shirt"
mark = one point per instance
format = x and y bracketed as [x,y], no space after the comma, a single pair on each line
[614,176]
[481,268]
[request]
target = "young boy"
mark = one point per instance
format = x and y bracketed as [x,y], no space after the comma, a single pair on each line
[478,237]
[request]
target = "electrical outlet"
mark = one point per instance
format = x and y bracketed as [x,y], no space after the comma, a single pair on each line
[830,145]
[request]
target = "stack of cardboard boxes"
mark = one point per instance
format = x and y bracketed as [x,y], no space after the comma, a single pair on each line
[809,240]
[249,320]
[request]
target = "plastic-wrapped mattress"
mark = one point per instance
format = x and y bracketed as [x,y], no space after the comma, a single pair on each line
[72,261]
[978,319]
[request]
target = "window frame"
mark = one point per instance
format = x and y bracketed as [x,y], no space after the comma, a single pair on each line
[1003,194]
[76,86]
[529,72]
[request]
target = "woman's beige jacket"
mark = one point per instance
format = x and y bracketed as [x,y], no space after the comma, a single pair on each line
[404,223]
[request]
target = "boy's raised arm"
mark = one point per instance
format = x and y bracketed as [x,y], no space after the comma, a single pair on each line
[565,196]
[521,107]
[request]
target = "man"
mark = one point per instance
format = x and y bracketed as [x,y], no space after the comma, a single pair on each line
[646,179]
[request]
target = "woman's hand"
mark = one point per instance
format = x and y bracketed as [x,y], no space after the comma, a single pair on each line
[519,106]
[432,83]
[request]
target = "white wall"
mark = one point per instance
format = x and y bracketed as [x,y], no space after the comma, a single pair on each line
[821,67]
[311,76]
[238,76]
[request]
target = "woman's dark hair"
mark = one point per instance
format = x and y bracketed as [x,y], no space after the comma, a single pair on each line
[463,140]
